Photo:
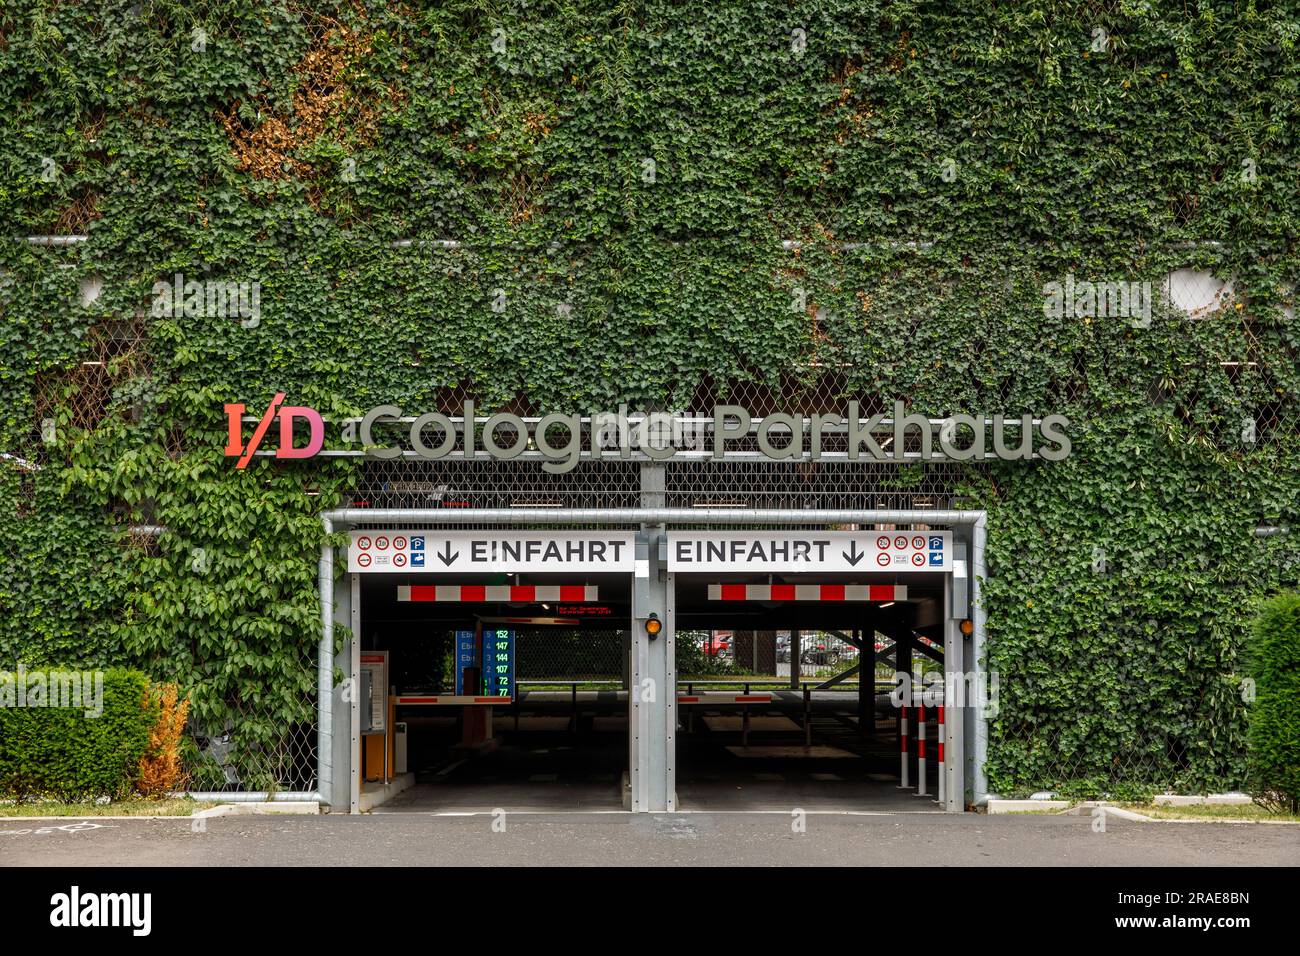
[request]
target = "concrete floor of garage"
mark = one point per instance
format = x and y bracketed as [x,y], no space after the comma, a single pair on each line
[546,767]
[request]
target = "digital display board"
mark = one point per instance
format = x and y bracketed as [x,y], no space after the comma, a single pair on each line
[499,662]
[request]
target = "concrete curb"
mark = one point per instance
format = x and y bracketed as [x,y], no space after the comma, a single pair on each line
[1026,806]
[293,808]
[382,793]
[1126,814]
[1208,799]
[1089,807]
[106,816]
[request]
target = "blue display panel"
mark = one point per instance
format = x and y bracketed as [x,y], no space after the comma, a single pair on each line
[466,656]
[498,661]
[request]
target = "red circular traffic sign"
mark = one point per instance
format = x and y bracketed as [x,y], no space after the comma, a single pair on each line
[900,542]
[381,543]
[400,543]
[400,560]
[882,560]
[363,543]
[882,542]
[918,559]
[919,543]
[363,560]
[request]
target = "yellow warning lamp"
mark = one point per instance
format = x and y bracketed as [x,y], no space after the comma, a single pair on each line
[653,625]
[967,627]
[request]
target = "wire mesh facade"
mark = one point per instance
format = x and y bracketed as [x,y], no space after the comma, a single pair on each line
[489,483]
[554,653]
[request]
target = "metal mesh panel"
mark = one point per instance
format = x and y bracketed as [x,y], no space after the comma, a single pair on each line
[406,483]
[554,653]
[489,483]
[264,748]
[808,485]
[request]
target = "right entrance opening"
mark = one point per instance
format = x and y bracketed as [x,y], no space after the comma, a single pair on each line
[789,703]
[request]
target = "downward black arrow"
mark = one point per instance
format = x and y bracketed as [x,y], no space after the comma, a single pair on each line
[853,555]
[447,555]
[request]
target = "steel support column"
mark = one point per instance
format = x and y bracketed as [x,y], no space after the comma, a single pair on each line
[954,757]
[653,719]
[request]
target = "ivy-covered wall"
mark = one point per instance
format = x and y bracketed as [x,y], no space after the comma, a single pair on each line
[621,178]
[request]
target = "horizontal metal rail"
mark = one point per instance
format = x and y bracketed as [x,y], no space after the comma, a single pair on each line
[342,517]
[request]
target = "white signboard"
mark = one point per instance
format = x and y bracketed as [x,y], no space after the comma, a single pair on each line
[794,551]
[461,552]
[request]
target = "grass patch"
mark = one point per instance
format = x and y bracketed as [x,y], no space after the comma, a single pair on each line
[173,807]
[1241,813]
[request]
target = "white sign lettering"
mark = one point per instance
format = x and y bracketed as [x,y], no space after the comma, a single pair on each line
[793,551]
[460,552]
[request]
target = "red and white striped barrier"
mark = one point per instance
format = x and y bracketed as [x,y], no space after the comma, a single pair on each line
[920,750]
[902,744]
[503,593]
[807,592]
[941,782]
[449,701]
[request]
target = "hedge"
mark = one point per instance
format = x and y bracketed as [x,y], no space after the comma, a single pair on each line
[62,753]
[1274,654]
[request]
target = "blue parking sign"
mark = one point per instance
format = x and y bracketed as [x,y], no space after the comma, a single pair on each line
[417,544]
[936,543]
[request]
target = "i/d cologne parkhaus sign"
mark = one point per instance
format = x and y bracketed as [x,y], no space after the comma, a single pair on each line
[562,440]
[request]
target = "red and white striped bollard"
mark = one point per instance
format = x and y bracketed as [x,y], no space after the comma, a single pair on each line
[941,780]
[920,751]
[902,743]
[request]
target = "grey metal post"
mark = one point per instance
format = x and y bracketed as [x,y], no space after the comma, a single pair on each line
[625,644]
[652,720]
[352,653]
[866,675]
[980,784]
[325,674]
[901,632]
[340,698]
[795,651]
[653,716]
[954,764]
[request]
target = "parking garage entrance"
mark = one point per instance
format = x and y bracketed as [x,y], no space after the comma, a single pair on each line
[788,696]
[516,668]
[497,674]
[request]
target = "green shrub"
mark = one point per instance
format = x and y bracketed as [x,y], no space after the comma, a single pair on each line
[61,752]
[1273,759]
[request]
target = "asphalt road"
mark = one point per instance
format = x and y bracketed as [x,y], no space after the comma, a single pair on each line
[686,839]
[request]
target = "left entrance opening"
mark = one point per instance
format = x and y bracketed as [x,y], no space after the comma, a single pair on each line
[503,691]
